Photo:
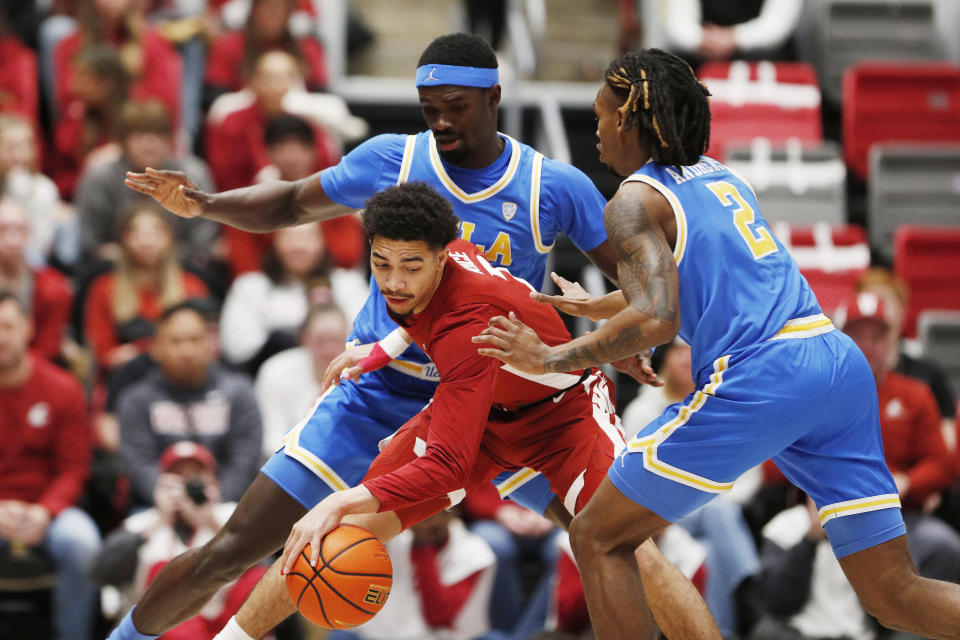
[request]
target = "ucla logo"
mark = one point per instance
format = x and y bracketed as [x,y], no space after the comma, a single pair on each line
[509,210]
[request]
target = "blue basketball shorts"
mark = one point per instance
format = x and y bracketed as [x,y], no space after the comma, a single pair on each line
[808,403]
[333,447]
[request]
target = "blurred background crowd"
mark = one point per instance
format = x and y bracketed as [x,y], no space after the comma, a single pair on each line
[149,363]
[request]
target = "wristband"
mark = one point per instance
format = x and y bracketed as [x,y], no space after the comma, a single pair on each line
[395,343]
[384,351]
[376,359]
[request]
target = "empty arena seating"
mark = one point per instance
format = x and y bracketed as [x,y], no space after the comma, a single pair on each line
[798,183]
[911,184]
[928,259]
[831,258]
[939,334]
[777,101]
[898,102]
[844,32]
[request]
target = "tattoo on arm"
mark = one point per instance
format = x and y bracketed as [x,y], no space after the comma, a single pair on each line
[648,279]
[645,263]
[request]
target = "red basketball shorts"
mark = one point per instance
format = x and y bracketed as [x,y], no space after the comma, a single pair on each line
[571,440]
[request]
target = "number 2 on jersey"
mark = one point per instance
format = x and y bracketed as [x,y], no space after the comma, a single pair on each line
[758,239]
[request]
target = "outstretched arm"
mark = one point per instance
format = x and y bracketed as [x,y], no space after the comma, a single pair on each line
[260,208]
[575,301]
[648,278]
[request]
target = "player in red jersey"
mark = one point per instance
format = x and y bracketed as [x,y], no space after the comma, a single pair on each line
[484,418]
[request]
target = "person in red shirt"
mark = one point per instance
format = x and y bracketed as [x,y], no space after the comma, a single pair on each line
[18,77]
[43,291]
[912,440]
[293,154]
[235,144]
[84,129]
[154,66]
[123,304]
[484,418]
[232,55]
[44,461]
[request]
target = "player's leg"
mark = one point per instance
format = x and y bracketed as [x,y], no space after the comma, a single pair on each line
[677,607]
[678,463]
[267,606]
[616,536]
[605,537]
[840,464]
[890,589]
[258,526]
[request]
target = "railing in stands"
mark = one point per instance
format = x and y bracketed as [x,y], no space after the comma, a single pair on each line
[526,29]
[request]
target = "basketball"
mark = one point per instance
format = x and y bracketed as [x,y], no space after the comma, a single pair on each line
[350,583]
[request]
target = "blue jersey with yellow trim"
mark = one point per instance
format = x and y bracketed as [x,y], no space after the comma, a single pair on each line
[738,285]
[513,210]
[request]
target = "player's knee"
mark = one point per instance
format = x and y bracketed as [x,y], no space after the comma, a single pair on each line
[588,540]
[582,537]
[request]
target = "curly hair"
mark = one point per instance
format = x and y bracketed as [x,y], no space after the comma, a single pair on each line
[410,212]
[663,99]
[459,49]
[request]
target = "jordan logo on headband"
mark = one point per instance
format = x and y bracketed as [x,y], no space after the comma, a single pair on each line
[431,76]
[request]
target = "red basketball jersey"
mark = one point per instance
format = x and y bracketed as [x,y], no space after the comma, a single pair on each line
[472,289]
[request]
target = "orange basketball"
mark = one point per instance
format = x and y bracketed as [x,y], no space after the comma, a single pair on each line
[350,583]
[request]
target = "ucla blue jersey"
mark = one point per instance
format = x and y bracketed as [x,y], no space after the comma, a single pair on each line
[513,210]
[762,353]
[738,285]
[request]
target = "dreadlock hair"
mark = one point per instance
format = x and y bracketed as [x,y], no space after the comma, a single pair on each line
[461,50]
[665,101]
[410,212]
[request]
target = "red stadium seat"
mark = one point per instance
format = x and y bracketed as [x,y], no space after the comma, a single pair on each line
[928,259]
[778,101]
[832,288]
[898,102]
[831,258]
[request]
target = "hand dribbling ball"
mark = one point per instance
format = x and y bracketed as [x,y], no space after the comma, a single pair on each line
[350,583]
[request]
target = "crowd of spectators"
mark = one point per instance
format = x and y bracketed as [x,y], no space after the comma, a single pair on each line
[149,363]
[121,390]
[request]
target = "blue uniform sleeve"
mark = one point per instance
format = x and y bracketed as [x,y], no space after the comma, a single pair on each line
[371,167]
[571,205]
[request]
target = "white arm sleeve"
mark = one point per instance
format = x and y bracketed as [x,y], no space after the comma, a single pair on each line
[777,20]
[681,23]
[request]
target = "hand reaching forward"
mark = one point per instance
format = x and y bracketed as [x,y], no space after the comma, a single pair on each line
[323,518]
[310,529]
[640,368]
[514,343]
[345,366]
[574,299]
[172,189]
